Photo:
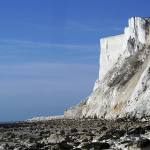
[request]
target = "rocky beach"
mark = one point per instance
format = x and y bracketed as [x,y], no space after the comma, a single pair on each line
[75,75]
[77,134]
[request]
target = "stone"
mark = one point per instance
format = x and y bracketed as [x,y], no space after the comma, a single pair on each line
[73,130]
[55,139]
[100,145]
[143,143]
[2,147]
[95,145]
[138,130]
[85,145]
[66,146]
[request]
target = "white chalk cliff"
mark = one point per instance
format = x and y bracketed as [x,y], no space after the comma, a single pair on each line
[123,87]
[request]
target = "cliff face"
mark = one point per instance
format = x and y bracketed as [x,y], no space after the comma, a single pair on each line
[123,87]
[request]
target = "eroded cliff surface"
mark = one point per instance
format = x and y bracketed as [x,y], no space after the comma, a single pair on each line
[123,87]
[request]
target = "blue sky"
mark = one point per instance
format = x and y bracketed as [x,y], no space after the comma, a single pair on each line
[49,51]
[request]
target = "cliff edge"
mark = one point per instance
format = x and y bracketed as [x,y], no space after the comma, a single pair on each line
[123,86]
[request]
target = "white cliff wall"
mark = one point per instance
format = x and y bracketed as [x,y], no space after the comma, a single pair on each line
[111,49]
[124,75]
[123,59]
[138,28]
